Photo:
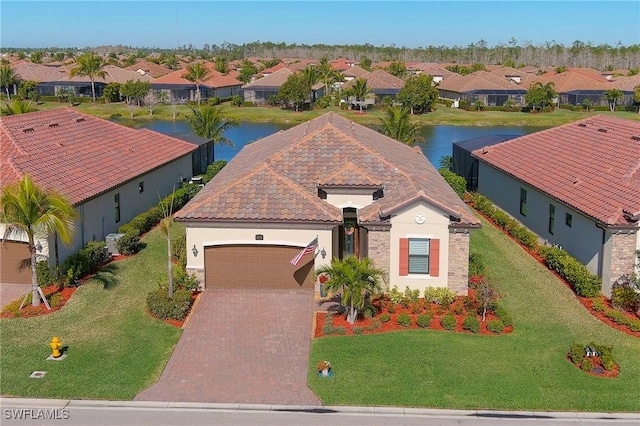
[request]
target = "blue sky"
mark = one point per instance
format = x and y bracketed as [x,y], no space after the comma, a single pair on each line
[168,24]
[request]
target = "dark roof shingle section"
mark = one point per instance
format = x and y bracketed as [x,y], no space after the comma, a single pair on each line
[296,160]
[79,155]
[592,165]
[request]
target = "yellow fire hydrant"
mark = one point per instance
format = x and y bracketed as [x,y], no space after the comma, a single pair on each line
[56,345]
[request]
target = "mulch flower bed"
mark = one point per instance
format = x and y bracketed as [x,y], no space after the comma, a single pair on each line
[195,296]
[585,301]
[598,370]
[375,325]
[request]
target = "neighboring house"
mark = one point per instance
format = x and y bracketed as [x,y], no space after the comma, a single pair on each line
[353,73]
[521,78]
[80,85]
[261,90]
[360,192]
[380,84]
[175,86]
[577,185]
[49,79]
[110,173]
[576,85]
[201,157]
[437,72]
[488,88]
[627,86]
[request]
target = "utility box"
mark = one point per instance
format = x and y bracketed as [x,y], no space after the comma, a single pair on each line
[111,241]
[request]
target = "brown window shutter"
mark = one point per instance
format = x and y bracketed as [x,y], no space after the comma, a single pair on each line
[434,258]
[404,256]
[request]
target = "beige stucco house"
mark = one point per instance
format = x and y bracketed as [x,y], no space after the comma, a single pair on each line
[110,173]
[576,185]
[359,192]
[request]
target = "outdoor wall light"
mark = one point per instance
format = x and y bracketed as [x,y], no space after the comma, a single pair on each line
[323,253]
[195,251]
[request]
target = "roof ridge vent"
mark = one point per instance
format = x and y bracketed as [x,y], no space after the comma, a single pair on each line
[28,130]
[635,138]
[78,120]
[582,125]
[602,129]
[53,125]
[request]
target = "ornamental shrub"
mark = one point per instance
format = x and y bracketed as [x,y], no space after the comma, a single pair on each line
[448,322]
[495,326]
[477,265]
[458,183]
[576,353]
[161,306]
[179,249]
[395,296]
[85,260]
[439,295]
[502,313]
[43,272]
[404,320]
[129,244]
[599,305]
[340,330]
[607,362]
[583,282]
[385,318]
[471,323]
[587,364]
[424,320]
[356,330]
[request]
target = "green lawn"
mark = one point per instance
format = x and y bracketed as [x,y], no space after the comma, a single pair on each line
[524,370]
[442,116]
[115,349]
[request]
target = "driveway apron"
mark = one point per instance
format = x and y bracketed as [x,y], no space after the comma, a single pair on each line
[242,346]
[10,292]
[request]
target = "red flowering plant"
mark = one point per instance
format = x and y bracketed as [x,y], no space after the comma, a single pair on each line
[485,295]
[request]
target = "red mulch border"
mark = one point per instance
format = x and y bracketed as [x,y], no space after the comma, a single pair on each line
[195,296]
[392,325]
[597,363]
[585,301]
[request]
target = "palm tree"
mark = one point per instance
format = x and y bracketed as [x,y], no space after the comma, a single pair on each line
[90,65]
[210,122]
[445,162]
[360,91]
[357,278]
[613,96]
[397,124]
[222,65]
[8,77]
[197,73]
[327,74]
[17,106]
[27,208]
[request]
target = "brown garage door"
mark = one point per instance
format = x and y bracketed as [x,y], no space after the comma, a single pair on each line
[257,266]
[12,254]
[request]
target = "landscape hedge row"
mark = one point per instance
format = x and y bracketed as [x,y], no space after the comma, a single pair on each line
[583,282]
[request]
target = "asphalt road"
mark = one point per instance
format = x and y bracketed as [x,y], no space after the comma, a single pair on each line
[97,413]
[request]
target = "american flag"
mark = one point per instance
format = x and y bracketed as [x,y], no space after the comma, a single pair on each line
[310,248]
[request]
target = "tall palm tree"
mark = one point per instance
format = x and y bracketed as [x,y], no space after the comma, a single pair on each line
[612,96]
[360,90]
[210,122]
[357,278]
[222,65]
[16,107]
[397,124]
[27,208]
[327,74]
[90,65]
[8,77]
[197,73]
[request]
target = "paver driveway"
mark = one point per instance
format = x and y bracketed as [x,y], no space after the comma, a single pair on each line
[10,292]
[242,346]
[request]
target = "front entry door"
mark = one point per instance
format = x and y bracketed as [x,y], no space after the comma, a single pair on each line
[349,240]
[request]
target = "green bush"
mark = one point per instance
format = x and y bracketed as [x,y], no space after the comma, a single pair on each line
[424,320]
[599,305]
[340,330]
[576,353]
[471,323]
[583,282]
[85,260]
[608,362]
[439,295]
[625,297]
[385,318]
[448,322]
[587,364]
[162,307]
[495,326]
[404,320]
[502,313]
[43,272]
[129,244]
[411,296]
[458,183]
[477,265]
[246,104]
[395,296]
[212,170]
[179,249]
[356,330]
[214,100]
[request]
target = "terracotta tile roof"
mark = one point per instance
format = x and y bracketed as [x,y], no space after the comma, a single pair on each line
[271,70]
[380,79]
[626,84]
[576,80]
[355,71]
[37,72]
[214,80]
[113,74]
[592,165]
[274,80]
[276,178]
[479,80]
[432,69]
[150,68]
[301,64]
[79,155]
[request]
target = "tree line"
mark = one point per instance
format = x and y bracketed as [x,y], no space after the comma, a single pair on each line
[551,53]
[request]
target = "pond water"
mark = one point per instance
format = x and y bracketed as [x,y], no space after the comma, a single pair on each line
[437,139]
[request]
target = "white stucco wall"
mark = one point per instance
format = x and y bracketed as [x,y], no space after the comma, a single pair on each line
[345,199]
[204,235]
[435,226]
[583,239]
